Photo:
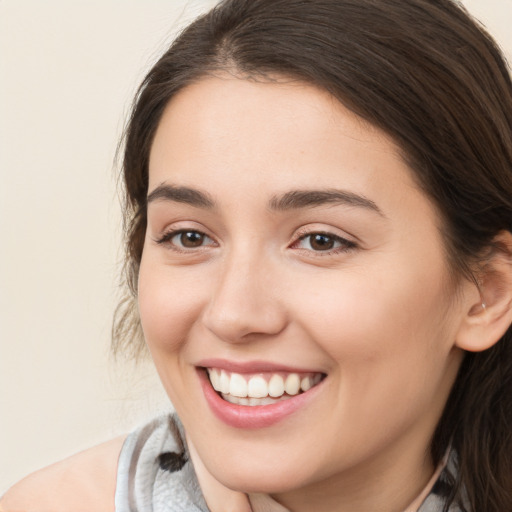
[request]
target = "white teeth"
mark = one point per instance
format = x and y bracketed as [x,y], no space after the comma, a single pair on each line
[292,384]
[305,384]
[257,387]
[214,379]
[223,382]
[237,385]
[276,386]
[256,390]
[251,402]
[231,399]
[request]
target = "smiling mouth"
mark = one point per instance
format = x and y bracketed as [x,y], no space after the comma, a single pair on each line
[261,388]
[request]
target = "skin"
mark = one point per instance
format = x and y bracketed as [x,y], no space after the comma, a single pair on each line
[378,315]
[83,482]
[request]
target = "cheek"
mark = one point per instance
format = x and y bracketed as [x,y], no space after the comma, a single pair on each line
[381,328]
[368,314]
[389,350]
[169,302]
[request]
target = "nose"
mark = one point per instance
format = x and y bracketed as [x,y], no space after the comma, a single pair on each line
[245,303]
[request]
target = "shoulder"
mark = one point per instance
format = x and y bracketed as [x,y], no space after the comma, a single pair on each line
[83,482]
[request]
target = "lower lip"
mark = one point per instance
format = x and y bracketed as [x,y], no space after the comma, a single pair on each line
[257,416]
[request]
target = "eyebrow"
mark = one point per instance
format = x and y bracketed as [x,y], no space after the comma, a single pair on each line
[292,200]
[296,199]
[186,195]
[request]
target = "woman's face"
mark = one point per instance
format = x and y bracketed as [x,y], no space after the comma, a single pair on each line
[287,247]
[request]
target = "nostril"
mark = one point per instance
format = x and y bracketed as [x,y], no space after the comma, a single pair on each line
[243,324]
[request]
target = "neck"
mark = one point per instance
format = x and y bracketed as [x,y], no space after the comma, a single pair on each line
[386,488]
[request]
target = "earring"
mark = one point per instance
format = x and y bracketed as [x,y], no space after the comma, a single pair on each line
[484,305]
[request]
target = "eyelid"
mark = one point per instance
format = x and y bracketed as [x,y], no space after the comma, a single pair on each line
[324,230]
[168,234]
[347,243]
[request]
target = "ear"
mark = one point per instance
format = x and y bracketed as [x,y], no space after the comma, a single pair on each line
[488,318]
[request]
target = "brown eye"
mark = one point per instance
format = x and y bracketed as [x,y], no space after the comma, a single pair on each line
[324,242]
[183,239]
[191,239]
[320,242]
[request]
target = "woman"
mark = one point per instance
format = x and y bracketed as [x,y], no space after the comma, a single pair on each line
[319,254]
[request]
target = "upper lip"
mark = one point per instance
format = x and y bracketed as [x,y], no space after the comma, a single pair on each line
[252,366]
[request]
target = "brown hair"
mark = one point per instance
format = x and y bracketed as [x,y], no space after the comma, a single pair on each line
[427,74]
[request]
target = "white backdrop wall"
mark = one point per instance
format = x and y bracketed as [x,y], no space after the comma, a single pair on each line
[68,71]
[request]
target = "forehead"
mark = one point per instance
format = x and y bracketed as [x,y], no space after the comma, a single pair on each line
[244,106]
[270,135]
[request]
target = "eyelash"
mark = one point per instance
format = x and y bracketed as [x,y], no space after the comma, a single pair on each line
[168,236]
[345,245]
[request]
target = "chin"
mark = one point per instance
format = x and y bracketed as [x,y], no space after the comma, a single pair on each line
[262,469]
[260,479]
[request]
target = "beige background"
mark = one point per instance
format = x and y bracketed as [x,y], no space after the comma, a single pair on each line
[68,71]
